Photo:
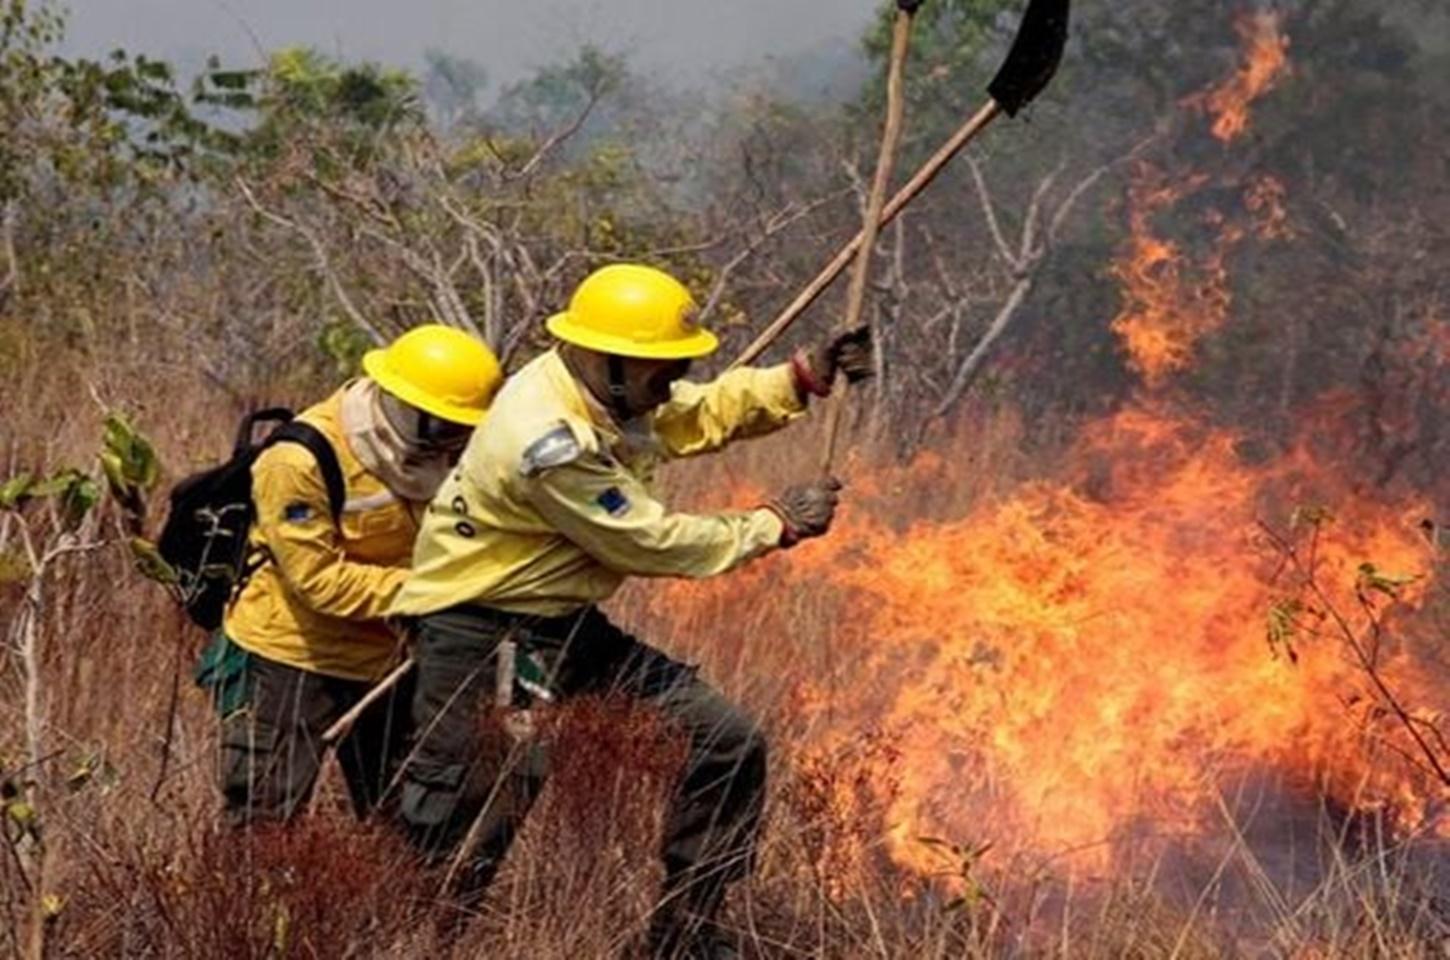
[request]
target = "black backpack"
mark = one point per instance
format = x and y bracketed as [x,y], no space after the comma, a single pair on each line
[204,538]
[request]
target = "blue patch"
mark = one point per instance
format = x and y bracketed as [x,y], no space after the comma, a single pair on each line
[297,513]
[614,502]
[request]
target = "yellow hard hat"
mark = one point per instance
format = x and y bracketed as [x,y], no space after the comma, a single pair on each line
[439,370]
[630,310]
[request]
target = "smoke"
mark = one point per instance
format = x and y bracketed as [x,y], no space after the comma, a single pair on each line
[685,41]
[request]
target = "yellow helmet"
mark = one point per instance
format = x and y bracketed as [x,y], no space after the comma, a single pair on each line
[630,310]
[439,370]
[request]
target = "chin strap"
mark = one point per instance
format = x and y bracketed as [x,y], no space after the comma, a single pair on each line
[618,400]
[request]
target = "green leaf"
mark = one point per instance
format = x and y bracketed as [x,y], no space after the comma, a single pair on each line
[281,930]
[51,905]
[128,459]
[150,563]
[1283,627]
[21,813]
[77,493]
[1373,580]
[16,491]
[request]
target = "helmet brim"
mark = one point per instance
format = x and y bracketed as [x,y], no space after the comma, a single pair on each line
[700,343]
[376,365]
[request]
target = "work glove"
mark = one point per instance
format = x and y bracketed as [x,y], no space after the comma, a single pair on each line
[806,510]
[852,353]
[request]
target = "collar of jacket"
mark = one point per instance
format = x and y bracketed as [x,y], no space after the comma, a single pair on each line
[634,443]
[580,401]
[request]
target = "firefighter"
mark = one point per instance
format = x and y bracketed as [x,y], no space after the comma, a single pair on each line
[305,637]
[550,510]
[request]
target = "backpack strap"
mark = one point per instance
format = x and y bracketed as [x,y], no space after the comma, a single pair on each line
[301,432]
[244,441]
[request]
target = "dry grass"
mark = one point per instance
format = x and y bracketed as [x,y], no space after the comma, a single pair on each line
[142,869]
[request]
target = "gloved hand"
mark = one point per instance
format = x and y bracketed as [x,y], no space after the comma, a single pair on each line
[852,353]
[806,510]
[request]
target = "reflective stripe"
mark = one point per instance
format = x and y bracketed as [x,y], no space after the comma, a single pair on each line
[371,502]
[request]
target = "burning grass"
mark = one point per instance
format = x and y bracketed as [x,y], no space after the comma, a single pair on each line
[1137,697]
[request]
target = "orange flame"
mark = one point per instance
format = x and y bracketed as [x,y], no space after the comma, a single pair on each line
[1084,667]
[1086,657]
[1169,304]
[1266,59]
[1172,300]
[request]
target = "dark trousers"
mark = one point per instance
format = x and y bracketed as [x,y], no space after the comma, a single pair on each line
[453,782]
[271,738]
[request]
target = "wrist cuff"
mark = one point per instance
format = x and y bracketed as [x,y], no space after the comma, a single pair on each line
[788,536]
[806,380]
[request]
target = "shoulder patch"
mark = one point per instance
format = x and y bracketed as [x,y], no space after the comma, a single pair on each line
[614,502]
[297,512]
[553,449]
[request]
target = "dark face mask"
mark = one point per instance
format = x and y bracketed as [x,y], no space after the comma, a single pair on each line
[435,433]
[426,433]
[630,398]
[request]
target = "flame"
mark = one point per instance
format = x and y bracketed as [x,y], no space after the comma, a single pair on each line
[1173,298]
[1169,303]
[1266,59]
[1083,667]
[1088,656]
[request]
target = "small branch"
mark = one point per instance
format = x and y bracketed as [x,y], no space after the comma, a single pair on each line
[780,221]
[324,264]
[1028,250]
[558,138]
[1362,656]
[990,212]
[967,372]
[10,283]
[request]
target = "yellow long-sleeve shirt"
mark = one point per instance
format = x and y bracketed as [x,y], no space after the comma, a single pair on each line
[551,509]
[318,603]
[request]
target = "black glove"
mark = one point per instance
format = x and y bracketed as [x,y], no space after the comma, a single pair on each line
[852,353]
[806,510]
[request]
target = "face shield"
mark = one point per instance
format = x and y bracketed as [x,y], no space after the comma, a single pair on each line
[425,434]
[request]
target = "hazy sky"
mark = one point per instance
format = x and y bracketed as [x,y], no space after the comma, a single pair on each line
[691,39]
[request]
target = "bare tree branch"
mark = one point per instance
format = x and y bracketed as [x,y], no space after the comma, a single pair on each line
[1003,250]
[324,264]
[10,283]
[596,93]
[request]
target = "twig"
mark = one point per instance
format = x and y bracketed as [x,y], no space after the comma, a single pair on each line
[596,93]
[324,264]
[173,702]
[10,283]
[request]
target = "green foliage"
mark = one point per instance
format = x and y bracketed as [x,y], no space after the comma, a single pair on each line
[557,94]
[128,459]
[116,123]
[1370,580]
[345,344]
[16,490]
[962,863]
[1283,627]
[76,493]
[91,768]
[18,818]
[302,86]
[150,564]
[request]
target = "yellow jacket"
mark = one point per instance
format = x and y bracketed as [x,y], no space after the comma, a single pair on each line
[318,603]
[551,507]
